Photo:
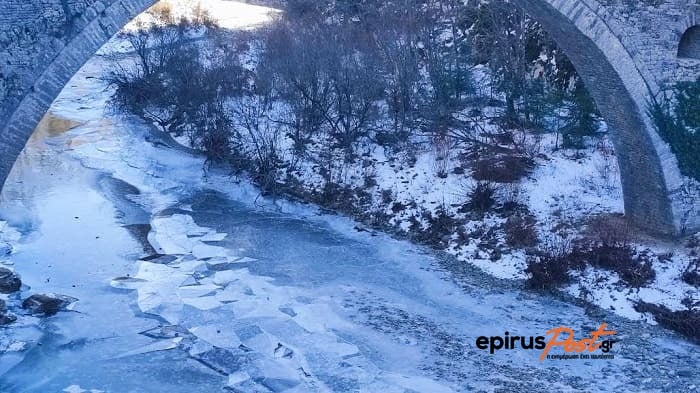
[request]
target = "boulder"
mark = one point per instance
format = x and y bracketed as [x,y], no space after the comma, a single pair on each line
[9,281]
[47,304]
[5,248]
[6,319]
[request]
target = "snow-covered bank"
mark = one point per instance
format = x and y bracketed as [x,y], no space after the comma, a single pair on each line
[277,295]
[422,192]
[402,193]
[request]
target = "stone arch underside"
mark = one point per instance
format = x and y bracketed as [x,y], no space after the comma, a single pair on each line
[689,46]
[621,89]
[648,170]
[100,24]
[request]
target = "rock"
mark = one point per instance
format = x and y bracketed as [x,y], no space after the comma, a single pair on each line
[5,248]
[47,304]
[6,319]
[9,281]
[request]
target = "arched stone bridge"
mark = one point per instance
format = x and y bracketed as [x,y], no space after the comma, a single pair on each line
[626,51]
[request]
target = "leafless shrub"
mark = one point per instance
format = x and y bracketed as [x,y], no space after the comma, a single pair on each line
[691,274]
[609,230]
[550,266]
[685,322]
[167,84]
[511,194]
[607,168]
[262,137]
[441,153]
[502,167]
[162,12]
[635,270]
[521,231]
[482,197]
[164,15]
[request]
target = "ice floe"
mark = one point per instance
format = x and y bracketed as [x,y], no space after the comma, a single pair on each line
[78,389]
[162,345]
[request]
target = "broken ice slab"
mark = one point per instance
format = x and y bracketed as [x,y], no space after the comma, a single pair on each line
[221,263]
[229,294]
[318,317]
[227,262]
[216,336]
[225,361]
[193,291]
[190,281]
[204,251]
[265,343]
[203,303]
[179,234]
[288,310]
[283,351]
[164,304]
[266,385]
[199,347]
[162,345]
[179,223]
[167,331]
[213,237]
[275,375]
[190,266]
[342,349]
[78,389]
[237,378]
[164,275]
[225,277]
[245,260]
[172,235]
[175,244]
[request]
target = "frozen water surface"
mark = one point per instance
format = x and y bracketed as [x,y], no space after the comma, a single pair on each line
[189,283]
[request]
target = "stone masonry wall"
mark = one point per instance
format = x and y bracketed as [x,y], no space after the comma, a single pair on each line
[651,30]
[31,34]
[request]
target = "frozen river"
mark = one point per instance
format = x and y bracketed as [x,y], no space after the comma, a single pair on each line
[188,282]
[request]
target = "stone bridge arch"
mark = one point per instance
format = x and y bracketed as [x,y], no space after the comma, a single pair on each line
[689,47]
[626,51]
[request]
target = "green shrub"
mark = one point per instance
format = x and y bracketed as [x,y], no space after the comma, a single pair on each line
[678,123]
[548,269]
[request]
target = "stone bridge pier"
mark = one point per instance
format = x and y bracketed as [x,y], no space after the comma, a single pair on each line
[627,51]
